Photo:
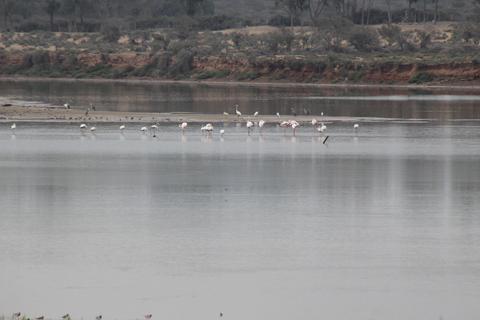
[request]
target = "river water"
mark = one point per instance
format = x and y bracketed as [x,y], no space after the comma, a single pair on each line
[378,223]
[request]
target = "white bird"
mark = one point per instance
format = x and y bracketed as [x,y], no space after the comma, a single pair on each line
[314,121]
[92,129]
[222,132]
[225,114]
[260,124]
[208,127]
[278,115]
[285,124]
[154,127]
[183,126]
[255,114]
[237,111]
[294,125]
[322,128]
[143,129]
[66,105]
[83,126]
[14,126]
[249,125]
[355,126]
[122,127]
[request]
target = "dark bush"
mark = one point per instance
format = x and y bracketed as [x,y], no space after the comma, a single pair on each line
[422,77]
[182,62]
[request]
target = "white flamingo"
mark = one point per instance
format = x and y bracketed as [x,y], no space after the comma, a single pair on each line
[208,128]
[122,127]
[144,129]
[255,114]
[14,126]
[285,124]
[83,126]
[154,128]
[92,129]
[249,125]
[355,126]
[183,126]
[260,124]
[294,125]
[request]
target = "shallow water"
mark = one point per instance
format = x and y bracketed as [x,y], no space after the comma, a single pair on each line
[381,223]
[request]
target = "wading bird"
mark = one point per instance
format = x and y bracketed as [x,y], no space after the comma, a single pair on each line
[225,114]
[294,124]
[16,315]
[183,126]
[237,111]
[255,114]
[144,129]
[83,126]
[92,106]
[208,128]
[260,124]
[154,128]
[306,112]
[92,129]
[14,126]
[278,115]
[98,317]
[122,127]
[285,124]
[66,317]
[355,126]
[148,316]
[249,125]
[294,112]
[66,105]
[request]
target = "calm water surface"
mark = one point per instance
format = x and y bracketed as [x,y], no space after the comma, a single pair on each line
[378,224]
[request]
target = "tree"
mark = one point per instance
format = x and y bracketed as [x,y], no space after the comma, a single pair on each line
[435,17]
[7,7]
[190,7]
[50,7]
[315,8]
[410,13]
[292,7]
[389,12]
[70,8]
[346,8]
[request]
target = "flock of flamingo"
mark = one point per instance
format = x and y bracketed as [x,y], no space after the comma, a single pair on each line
[208,128]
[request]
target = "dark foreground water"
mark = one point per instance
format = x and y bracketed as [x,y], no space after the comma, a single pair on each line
[382,223]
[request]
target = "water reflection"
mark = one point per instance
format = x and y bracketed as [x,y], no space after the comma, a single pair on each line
[403,103]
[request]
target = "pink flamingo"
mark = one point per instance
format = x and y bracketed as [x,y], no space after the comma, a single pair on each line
[285,124]
[294,125]
[314,122]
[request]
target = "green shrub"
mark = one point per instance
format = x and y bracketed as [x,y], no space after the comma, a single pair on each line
[206,74]
[246,75]
[422,77]
[278,76]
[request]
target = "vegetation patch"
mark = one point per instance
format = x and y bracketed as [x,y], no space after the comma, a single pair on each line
[422,77]
[246,75]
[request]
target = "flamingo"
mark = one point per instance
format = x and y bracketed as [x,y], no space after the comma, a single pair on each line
[294,125]
[183,126]
[260,124]
[255,114]
[225,114]
[355,126]
[322,128]
[278,115]
[208,127]
[98,317]
[285,124]
[92,129]
[122,127]
[83,126]
[143,129]
[16,315]
[14,126]
[249,125]
[148,316]
[66,105]
[222,132]
[154,127]
[65,317]
[314,122]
